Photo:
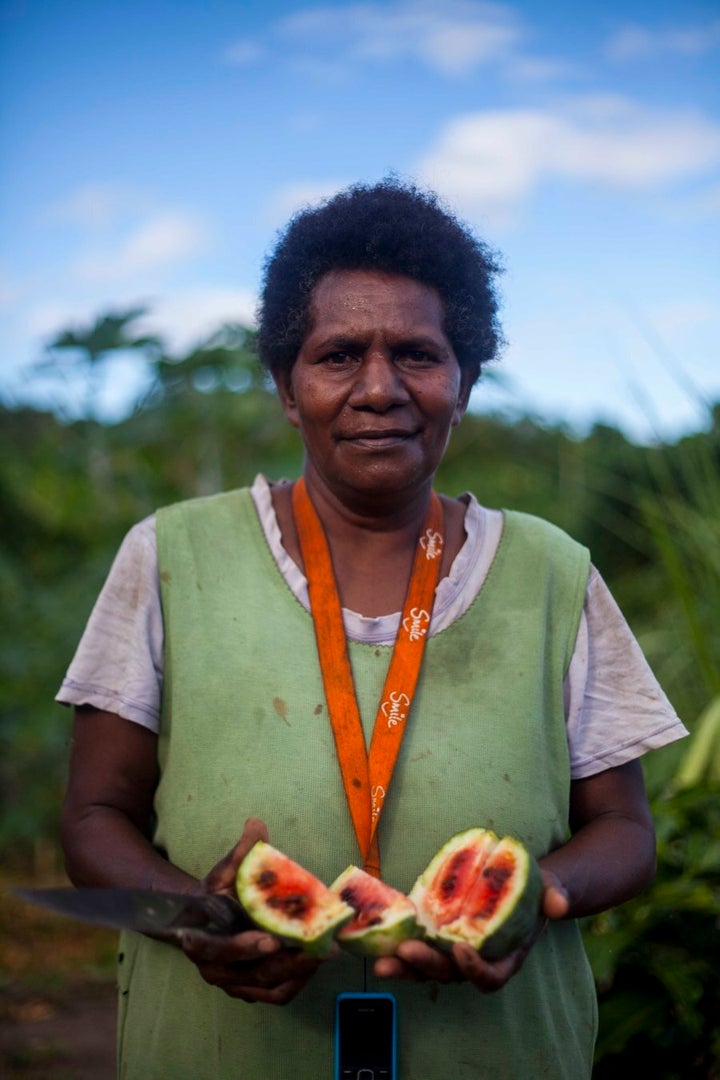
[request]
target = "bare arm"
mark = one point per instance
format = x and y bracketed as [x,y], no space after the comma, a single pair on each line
[105,829]
[105,823]
[609,858]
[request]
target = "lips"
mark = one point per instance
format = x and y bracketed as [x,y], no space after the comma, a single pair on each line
[379,438]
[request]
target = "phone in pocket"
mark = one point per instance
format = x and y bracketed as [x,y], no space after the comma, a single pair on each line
[366,1037]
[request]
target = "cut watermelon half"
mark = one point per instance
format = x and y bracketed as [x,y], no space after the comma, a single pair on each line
[284,898]
[480,890]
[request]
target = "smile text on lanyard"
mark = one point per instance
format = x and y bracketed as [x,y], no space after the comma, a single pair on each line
[366,777]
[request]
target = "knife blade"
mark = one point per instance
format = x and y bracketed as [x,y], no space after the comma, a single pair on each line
[143,910]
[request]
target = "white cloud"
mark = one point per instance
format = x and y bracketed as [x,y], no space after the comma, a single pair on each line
[679,316]
[491,161]
[244,52]
[543,69]
[166,239]
[451,36]
[181,317]
[287,200]
[186,316]
[639,42]
[95,205]
[46,319]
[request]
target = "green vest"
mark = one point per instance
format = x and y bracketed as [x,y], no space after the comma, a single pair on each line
[245,732]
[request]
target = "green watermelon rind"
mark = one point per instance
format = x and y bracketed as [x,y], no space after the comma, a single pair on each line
[316,939]
[516,922]
[381,940]
[515,925]
[520,925]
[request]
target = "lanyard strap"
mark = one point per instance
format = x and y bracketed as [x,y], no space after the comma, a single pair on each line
[366,776]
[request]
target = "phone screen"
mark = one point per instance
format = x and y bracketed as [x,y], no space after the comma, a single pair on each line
[365,1042]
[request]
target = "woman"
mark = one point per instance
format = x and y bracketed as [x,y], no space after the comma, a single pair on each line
[204,713]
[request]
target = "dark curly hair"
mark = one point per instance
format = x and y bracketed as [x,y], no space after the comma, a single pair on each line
[391,227]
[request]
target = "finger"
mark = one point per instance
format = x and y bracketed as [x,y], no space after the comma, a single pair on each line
[427,961]
[390,967]
[556,902]
[204,948]
[222,875]
[487,976]
[277,995]
[274,970]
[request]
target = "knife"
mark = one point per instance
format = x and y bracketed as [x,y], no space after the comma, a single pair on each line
[143,910]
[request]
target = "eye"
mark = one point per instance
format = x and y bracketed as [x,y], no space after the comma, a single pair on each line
[339,358]
[416,358]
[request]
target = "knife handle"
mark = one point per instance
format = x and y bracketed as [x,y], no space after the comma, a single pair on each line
[226,915]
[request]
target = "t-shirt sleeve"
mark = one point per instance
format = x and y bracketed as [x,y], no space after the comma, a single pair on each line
[118,666]
[616,710]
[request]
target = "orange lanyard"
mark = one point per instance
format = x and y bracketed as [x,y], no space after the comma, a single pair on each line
[366,776]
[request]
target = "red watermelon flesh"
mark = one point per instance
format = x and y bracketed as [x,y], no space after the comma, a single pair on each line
[383,916]
[283,897]
[504,904]
[441,891]
[491,901]
[492,885]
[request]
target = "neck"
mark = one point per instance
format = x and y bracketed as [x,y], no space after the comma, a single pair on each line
[372,545]
[366,517]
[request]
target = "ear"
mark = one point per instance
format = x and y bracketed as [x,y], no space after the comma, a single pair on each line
[283,384]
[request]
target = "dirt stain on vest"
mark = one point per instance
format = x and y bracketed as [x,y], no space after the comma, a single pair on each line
[280,708]
[421,757]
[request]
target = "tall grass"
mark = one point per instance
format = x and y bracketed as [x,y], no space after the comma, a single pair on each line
[656,958]
[682,512]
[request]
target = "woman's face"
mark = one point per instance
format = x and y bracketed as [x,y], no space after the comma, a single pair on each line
[376,386]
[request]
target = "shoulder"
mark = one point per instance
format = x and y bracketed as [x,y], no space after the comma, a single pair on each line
[203,505]
[138,549]
[537,530]
[205,518]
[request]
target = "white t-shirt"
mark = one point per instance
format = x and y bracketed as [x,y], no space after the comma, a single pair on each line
[615,709]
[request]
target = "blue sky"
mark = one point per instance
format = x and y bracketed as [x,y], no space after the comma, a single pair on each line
[153,149]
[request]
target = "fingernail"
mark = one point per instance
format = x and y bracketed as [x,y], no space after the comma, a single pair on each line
[268,945]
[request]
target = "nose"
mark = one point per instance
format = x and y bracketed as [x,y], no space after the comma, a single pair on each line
[379,384]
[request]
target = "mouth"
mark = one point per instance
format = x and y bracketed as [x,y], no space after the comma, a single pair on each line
[379,439]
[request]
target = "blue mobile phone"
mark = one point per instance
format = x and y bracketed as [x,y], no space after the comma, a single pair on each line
[366,1037]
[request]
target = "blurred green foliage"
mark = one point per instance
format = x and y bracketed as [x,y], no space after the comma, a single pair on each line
[209,421]
[656,958]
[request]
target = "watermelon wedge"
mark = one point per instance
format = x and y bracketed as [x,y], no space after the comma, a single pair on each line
[383,917]
[284,898]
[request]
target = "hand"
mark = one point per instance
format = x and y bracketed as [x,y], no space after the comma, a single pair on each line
[252,965]
[556,902]
[221,879]
[419,961]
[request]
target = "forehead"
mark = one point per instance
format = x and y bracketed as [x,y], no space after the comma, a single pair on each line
[368,299]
